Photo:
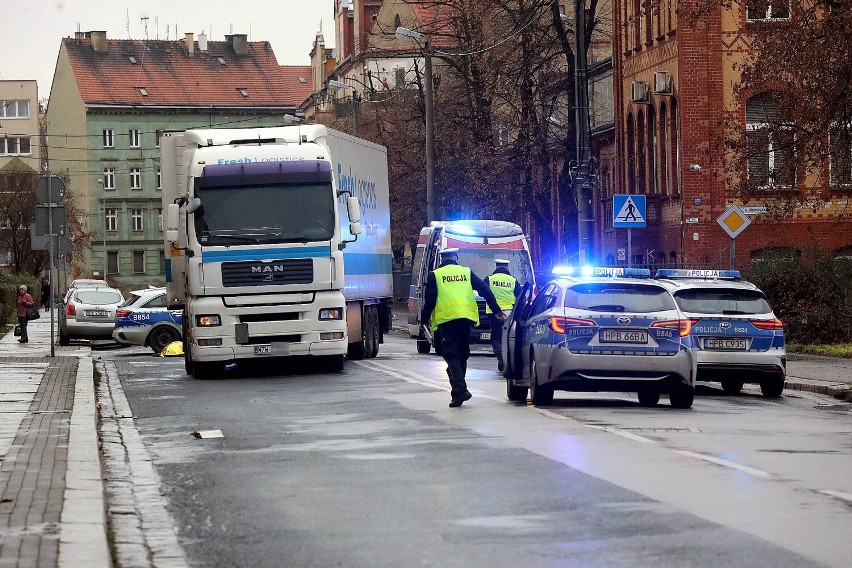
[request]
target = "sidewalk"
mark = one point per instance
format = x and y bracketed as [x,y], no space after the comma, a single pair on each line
[52,511]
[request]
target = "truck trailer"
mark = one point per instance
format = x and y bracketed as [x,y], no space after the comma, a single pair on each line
[277,244]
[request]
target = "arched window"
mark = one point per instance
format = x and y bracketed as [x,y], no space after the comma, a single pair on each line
[665,151]
[653,154]
[674,146]
[631,155]
[641,161]
[771,160]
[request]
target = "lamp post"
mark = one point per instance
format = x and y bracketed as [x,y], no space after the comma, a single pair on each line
[405,33]
[356,104]
[583,174]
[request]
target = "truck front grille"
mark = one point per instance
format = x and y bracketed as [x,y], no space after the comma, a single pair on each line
[277,272]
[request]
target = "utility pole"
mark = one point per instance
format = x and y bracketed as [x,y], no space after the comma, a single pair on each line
[583,175]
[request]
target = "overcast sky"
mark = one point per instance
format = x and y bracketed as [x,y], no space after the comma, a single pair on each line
[32,30]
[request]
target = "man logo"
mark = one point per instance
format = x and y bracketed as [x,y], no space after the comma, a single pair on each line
[268,278]
[267,268]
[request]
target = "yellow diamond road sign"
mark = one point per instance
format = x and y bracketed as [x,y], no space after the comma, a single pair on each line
[733,221]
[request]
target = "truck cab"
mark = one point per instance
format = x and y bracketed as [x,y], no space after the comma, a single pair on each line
[480,243]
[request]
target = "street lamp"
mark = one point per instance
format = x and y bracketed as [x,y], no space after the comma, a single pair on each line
[405,33]
[356,102]
[103,210]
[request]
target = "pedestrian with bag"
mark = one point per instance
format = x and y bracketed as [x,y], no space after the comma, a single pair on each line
[25,302]
[450,307]
[506,290]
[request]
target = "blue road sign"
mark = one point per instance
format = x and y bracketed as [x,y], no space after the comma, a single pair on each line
[628,211]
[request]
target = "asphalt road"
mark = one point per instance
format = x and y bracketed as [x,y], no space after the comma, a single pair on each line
[370,468]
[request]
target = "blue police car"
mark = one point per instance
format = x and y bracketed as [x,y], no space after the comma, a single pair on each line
[599,329]
[144,319]
[738,337]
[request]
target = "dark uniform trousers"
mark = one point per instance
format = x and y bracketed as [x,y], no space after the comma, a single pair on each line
[455,349]
[496,335]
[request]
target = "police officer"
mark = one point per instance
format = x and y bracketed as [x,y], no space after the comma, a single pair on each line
[506,290]
[450,306]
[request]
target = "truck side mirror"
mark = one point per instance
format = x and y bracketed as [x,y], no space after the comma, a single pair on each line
[172,218]
[353,209]
[193,205]
[354,229]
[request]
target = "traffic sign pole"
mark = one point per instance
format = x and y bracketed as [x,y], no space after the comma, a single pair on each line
[50,256]
[629,248]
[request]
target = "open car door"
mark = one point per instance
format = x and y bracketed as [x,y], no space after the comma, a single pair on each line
[512,333]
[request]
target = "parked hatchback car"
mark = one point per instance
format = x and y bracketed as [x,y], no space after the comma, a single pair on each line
[738,337]
[144,319]
[89,313]
[600,330]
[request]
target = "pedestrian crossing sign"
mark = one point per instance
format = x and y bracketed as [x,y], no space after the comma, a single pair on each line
[628,211]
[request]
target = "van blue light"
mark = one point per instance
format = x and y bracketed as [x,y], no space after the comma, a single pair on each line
[460,229]
[704,274]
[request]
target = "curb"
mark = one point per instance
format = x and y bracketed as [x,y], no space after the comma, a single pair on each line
[836,390]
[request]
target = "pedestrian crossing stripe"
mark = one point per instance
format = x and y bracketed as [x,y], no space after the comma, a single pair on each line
[629,212]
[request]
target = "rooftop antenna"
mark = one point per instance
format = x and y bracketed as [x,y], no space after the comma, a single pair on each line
[127,22]
[157,27]
[167,32]
[144,19]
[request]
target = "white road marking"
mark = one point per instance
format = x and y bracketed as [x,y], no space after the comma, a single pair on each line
[728,463]
[842,495]
[625,433]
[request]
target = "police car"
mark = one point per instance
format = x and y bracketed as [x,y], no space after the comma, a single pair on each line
[144,319]
[738,337]
[599,329]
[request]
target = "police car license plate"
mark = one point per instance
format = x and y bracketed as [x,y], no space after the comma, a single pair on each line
[485,336]
[97,313]
[623,336]
[725,344]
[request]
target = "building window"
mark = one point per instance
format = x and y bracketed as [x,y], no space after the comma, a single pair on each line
[158,134]
[654,155]
[674,137]
[840,154]
[771,160]
[139,262]
[136,216]
[134,138]
[15,109]
[631,155]
[159,178]
[112,262]
[111,219]
[109,138]
[771,10]
[15,146]
[109,178]
[665,151]
[160,220]
[135,178]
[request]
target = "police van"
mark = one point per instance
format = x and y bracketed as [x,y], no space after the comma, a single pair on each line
[480,243]
[738,337]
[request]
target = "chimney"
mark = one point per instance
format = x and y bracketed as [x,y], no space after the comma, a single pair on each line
[99,41]
[190,44]
[202,41]
[79,35]
[240,44]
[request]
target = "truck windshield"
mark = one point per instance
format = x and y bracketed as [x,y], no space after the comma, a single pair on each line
[273,213]
[481,262]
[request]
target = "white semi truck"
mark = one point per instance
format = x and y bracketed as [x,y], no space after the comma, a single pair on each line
[277,244]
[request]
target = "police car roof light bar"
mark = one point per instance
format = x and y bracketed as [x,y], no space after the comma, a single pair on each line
[673,273]
[611,271]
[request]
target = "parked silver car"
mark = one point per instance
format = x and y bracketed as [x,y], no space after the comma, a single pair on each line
[89,313]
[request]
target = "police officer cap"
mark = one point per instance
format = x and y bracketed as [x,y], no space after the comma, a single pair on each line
[501,261]
[449,251]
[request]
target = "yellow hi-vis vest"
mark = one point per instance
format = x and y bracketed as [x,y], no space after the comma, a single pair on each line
[455,295]
[503,287]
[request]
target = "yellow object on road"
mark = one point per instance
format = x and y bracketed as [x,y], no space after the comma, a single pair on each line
[173,349]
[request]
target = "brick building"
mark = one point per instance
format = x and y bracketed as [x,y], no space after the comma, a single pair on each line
[674,81]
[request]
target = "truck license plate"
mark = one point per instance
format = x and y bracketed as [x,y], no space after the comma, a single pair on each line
[624,336]
[262,349]
[485,336]
[725,344]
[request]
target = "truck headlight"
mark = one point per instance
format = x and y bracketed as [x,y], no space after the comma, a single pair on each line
[331,314]
[208,321]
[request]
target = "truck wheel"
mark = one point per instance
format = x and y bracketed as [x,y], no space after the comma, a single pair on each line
[160,337]
[211,370]
[358,350]
[375,330]
[423,346]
